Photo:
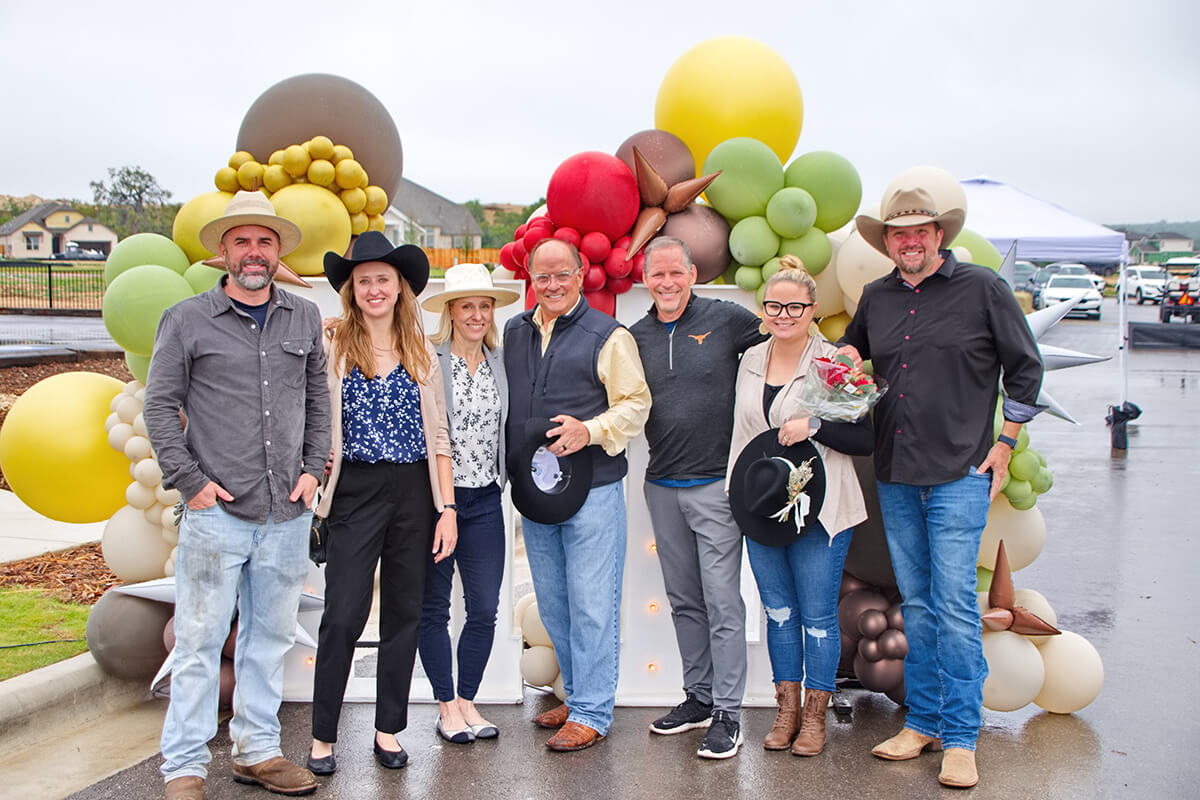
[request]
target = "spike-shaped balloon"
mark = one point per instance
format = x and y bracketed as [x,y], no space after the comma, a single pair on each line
[1003,613]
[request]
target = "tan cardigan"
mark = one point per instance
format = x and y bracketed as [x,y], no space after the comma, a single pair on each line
[843,507]
[433,417]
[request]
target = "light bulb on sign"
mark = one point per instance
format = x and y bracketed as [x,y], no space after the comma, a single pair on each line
[653,607]
[652,667]
[654,548]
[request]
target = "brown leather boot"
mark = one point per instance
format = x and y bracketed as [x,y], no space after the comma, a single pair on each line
[811,740]
[787,697]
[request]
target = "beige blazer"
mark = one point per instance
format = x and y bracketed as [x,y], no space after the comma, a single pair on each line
[433,417]
[844,506]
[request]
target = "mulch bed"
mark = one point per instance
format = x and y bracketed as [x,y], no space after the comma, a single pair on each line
[78,575]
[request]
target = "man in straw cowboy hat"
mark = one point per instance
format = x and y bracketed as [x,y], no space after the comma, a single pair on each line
[940,332]
[243,361]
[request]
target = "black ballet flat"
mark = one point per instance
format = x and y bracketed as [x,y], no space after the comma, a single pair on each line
[321,766]
[390,759]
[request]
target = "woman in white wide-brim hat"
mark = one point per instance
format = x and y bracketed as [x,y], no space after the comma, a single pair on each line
[468,347]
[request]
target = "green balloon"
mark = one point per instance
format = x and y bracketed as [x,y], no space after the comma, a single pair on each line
[138,365]
[1018,490]
[202,277]
[1024,465]
[1042,481]
[813,248]
[750,174]
[770,268]
[748,278]
[1041,458]
[791,212]
[1025,503]
[833,183]
[729,276]
[1022,440]
[983,579]
[983,252]
[144,248]
[134,302]
[760,293]
[752,242]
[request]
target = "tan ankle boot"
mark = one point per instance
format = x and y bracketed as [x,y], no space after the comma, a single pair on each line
[787,697]
[811,740]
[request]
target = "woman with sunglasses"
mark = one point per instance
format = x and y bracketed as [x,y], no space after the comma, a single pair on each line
[799,582]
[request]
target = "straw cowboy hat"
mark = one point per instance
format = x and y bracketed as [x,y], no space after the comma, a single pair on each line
[468,280]
[408,259]
[250,208]
[905,208]
[776,492]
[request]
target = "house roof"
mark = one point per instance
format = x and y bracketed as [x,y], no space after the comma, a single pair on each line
[429,209]
[36,214]
[1170,235]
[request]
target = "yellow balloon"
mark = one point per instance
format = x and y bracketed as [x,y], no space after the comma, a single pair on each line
[323,220]
[727,87]
[195,214]
[833,327]
[55,453]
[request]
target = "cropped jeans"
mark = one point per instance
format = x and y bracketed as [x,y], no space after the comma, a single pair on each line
[933,537]
[577,567]
[798,584]
[222,561]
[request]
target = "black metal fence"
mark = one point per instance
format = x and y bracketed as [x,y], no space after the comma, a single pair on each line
[34,286]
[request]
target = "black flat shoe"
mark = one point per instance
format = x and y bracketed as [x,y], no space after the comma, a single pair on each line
[321,766]
[390,759]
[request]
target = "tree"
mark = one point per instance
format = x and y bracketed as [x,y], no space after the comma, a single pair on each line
[132,202]
[499,231]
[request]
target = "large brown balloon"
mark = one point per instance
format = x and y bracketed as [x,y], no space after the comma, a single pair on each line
[896,694]
[125,635]
[301,107]
[879,676]
[849,584]
[706,233]
[666,152]
[868,559]
[852,606]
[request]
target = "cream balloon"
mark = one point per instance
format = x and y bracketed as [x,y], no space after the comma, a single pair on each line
[154,514]
[165,496]
[111,420]
[945,189]
[148,472]
[532,628]
[829,289]
[1033,601]
[171,536]
[137,448]
[139,496]
[127,407]
[519,607]
[167,520]
[131,387]
[1023,532]
[1015,671]
[139,425]
[169,567]
[858,264]
[140,393]
[560,691]
[503,274]
[851,305]
[133,548]
[539,667]
[1074,673]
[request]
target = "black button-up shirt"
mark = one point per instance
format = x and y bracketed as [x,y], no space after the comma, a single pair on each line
[256,400]
[941,346]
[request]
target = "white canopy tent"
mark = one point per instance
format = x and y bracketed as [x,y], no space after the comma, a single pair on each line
[1003,214]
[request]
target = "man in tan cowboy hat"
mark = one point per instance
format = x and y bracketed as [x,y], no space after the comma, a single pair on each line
[243,361]
[941,333]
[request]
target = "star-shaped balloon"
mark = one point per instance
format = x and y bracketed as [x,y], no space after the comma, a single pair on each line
[1004,614]
[660,200]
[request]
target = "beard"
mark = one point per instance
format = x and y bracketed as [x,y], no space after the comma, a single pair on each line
[256,281]
[929,259]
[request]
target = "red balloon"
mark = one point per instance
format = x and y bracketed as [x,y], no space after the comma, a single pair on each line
[520,231]
[533,236]
[623,242]
[619,285]
[595,246]
[602,301]
[569,235]
[616,266]
[594,279]
[541,222]
[637,274]
[530,297]
[520,253]
[594,191]
[507,259]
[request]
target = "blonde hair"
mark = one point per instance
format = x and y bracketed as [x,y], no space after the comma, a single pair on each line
[491,339]
[791,270]
[352,342]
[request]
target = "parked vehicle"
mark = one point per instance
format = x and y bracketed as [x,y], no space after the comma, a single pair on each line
[1181,265]
[1022,272]
[1181,298]
[1037,282]
[1065,287]
[1145,283]
[73,252]
[1080,269]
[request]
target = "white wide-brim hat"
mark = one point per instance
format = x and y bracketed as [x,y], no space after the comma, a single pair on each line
[250,208]
[468,280]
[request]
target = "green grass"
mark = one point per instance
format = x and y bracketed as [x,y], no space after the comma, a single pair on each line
[29,615]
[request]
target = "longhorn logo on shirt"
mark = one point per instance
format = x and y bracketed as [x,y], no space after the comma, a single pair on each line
[700,337]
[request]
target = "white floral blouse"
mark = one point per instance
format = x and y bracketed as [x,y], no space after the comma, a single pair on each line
[474,424]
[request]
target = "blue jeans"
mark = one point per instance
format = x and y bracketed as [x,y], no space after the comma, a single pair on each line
[480,558]
[933,537]
[577,568]
[799,585]
[222,561]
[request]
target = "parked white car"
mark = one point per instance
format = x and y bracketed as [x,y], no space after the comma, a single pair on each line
[1145,283]
[1064,287]
[1079,269]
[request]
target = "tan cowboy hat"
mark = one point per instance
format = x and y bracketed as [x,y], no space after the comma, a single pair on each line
[468,280]
[250,208]
[905,208]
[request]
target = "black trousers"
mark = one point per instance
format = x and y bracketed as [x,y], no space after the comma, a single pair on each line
[381,513]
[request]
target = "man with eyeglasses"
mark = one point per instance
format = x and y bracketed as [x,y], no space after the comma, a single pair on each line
[940,332]
[690,347]
[578,367]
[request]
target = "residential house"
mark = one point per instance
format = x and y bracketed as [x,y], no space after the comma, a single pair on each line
[46,229]
[426,218]
[1165,245]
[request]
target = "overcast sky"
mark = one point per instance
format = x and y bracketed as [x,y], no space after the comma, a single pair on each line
[1092,106]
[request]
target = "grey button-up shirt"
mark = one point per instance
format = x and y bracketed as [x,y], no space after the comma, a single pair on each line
[256,401]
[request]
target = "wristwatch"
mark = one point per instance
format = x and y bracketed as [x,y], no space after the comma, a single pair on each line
[1008,440]
[450,505]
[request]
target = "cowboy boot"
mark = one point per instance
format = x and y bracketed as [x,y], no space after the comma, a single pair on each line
[811,740]
[787,697]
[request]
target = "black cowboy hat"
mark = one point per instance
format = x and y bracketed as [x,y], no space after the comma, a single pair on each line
[547,488]
[408,259]
[759,491]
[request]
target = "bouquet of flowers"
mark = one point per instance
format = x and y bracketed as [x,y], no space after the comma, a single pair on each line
[838,391]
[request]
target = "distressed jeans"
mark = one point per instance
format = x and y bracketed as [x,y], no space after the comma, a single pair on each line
[577,567]
[225,561]
[933,537]
[799,586]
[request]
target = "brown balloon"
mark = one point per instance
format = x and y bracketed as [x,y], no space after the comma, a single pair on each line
[303,106]
[651,186]
[230,645]
[997,619]
[649,222]
[706,233]
[849,584]
[169,635]
[849,651]
[225,698]
[682,195]
[1001,594]
[125,635]
[879,676]
[852,606]
[871,623]
[868,559]
[895,617]
[666,152]
[897,695]
[1002,598]
[893,644]
[869,649]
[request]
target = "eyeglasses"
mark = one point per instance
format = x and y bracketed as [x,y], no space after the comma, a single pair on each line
[773,309]
[558,277]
